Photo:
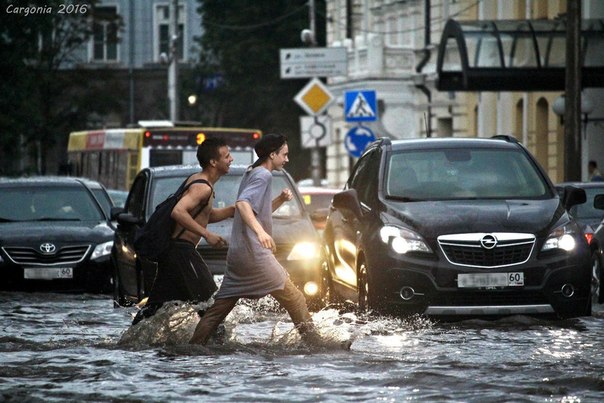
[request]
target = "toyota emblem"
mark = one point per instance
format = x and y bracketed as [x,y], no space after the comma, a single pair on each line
[48,248]
[488,241]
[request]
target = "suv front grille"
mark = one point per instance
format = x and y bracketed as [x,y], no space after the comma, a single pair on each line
[468,249]
[30,256]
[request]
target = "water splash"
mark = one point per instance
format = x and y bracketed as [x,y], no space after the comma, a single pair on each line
[335,328]
[172,324]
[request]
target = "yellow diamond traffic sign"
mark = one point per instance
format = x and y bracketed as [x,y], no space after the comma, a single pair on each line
[315,97]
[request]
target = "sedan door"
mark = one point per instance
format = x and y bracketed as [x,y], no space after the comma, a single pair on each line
[128,276]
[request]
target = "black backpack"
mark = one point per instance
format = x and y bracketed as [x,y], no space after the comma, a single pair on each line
[153,239]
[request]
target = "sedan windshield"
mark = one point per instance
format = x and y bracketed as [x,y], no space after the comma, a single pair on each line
[226,193]
[448,174]
[587,210]
[48,204]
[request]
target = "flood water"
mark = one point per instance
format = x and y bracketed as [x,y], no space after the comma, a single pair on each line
[65,347]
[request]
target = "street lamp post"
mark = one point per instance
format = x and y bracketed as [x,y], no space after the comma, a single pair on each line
[572,85]
[173,59]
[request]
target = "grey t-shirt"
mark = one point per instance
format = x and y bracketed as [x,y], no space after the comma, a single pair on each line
[252,270]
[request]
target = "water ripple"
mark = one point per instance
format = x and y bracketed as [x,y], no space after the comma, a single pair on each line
[68,347]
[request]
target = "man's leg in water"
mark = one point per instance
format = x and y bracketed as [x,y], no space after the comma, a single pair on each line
[146,312]
[294,302]
[211,319]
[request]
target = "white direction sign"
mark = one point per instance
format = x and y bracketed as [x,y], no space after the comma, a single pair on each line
[313,62]
[315,131]
[315,97]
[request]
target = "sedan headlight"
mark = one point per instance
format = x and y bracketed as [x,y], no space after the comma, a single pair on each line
[304,251]
[562,237]
[403,240]
[101,250]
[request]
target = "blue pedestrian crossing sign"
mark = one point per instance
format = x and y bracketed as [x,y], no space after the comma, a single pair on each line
[360,106]
[357,139]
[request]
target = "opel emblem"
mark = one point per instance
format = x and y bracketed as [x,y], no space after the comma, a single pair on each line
[488,241]
[48,248]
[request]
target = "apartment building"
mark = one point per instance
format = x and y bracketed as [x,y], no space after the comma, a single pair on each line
[135,54]
[392,49]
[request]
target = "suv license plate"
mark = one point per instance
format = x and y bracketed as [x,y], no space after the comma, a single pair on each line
[484,280]
[47,273]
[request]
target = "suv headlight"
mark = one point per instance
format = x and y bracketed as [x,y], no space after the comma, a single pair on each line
[403,240]
[563,237]
[101,250]
[304,250]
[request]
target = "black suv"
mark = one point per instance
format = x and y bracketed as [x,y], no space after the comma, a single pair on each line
[54,235]
[298,244]
[456,227]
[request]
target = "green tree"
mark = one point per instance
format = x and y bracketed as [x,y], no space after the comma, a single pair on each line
[241,42]
[40,95]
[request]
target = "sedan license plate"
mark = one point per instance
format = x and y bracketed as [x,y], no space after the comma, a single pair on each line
[486,280]
[47,273]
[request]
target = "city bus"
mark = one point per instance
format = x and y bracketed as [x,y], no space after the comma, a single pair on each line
[114,156]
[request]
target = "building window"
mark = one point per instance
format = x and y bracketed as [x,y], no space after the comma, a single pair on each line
[392,31]
[105,35]
[444,127]
[162,18]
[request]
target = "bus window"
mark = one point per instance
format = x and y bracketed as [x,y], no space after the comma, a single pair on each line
[114,156]
[160,158]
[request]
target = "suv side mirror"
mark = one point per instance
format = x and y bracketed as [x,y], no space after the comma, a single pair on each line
[599,202]
[573,196]
[348,200]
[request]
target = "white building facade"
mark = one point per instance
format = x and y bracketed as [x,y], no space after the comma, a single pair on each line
[387,43]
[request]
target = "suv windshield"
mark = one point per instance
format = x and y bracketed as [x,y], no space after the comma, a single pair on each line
[48,204]
[226,193]
[448,174]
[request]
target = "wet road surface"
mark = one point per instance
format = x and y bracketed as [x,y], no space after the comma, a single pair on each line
[66,347]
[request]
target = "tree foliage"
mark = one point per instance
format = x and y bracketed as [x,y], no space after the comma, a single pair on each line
[241,42]
[39,99]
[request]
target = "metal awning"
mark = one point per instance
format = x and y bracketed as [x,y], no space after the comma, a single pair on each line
[515,55]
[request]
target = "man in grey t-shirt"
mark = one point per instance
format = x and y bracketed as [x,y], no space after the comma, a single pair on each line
[252,269]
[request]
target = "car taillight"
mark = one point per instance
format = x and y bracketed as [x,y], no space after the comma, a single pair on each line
[589,237]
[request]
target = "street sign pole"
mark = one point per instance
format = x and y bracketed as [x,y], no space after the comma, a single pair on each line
[315,98]
[315,157]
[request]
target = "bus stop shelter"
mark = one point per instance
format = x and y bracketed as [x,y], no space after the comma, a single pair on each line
[515,55]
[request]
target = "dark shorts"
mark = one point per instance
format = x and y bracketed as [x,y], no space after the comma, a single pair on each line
[182,275]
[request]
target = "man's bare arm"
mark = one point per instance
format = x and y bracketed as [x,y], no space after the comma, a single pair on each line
[219,214]
[182,210]
[196,195]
